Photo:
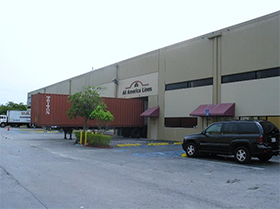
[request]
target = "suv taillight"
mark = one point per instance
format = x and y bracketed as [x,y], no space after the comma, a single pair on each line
[260,140]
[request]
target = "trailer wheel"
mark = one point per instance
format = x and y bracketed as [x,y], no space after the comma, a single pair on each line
[125,132]
[144,132]
[135,133]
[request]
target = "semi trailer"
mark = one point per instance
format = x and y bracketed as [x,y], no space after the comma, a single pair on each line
[48,110]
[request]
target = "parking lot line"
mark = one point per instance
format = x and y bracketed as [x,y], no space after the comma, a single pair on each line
[52,132]
[158,144]
[31,130]
[128,145]
[38,132]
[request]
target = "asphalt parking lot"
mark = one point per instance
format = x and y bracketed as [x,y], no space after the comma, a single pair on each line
[42,170]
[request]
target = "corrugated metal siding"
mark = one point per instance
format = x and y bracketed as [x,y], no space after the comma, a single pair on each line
[126,112]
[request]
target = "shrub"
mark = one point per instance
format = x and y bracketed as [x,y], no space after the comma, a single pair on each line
[77,134]
[95,139]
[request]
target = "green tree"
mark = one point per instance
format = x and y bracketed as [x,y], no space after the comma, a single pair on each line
[102,116]
[12,106]
[84,102]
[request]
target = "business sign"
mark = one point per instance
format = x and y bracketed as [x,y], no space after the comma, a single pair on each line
[207,112]
[140,86]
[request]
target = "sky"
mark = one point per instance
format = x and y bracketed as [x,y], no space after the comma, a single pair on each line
[43,42]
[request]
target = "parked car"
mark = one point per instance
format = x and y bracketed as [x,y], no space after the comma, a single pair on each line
[243,139]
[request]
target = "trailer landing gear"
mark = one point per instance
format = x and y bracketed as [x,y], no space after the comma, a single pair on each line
[68,131]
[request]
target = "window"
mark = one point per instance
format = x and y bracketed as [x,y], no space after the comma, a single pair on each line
[214,129]
[247,128]
[202,82]
[268,73]
[189,84]
[229,128]
[239,77]
[269,128]
[274,119]
[259,74]
[249,118]
[174,86]
[188,122]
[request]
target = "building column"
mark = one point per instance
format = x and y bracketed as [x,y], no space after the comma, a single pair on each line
[216,56]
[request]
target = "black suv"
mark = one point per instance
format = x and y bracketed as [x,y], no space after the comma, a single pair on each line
[243,139]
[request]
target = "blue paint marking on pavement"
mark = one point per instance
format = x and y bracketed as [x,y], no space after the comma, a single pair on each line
[121,150]
[159,154]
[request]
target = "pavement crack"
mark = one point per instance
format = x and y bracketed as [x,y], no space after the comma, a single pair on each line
[232,181]
[8,174]
[253,188]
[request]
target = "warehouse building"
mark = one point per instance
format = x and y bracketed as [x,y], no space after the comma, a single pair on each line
[233,73]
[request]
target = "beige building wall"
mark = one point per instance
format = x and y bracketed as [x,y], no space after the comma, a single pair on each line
[79,82]
[137,66]
[109,90]
[180,103]
[59,88]
[251,46]
[153,123]
[187,61]
[190,60]
[177,134]
[254,98]
[102,76]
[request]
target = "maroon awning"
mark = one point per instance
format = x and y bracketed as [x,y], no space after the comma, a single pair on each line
[151,112]
[222,109]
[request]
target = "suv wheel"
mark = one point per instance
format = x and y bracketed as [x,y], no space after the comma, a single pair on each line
[191,149]
[242,155]
[265,158]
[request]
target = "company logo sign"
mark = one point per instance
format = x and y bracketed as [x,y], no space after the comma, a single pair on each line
[137,87]
[48,105]
[140,86]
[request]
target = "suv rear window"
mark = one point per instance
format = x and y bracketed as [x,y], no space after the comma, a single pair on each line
[229,128]
[247,128]
[269,128]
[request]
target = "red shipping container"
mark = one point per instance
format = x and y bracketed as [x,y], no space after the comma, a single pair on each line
[51,110]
